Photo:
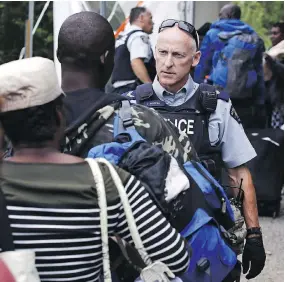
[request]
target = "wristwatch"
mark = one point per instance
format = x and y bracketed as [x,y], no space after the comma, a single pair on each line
[254,230]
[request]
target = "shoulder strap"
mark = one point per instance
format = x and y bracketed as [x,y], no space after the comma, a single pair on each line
[124,128]
[107,99]
[143,91]
[129,35]
[6,238]
[126,207]
[102,202]
[225,35]
[153,270]
[125,114]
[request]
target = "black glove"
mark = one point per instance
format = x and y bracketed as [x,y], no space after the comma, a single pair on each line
[254,254]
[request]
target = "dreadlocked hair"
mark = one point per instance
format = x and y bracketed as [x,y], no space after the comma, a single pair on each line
[33,126]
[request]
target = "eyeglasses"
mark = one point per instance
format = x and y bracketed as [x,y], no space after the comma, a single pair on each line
[185,26]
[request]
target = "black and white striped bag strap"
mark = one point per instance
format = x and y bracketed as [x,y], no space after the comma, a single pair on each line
[153,271]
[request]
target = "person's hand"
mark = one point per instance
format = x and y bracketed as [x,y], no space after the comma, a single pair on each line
[253,258]
[268,58]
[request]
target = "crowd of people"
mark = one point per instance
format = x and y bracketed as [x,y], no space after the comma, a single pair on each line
[191,98]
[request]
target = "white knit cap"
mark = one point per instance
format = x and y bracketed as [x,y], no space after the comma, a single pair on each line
[27,83]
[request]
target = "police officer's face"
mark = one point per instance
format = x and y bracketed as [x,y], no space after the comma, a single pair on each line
[147,22]
[175,54]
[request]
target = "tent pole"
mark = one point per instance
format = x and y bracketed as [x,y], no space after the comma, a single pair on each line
[103,8]
[29,31]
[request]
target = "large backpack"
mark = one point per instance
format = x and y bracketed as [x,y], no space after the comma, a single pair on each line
[235,70]
[202,213]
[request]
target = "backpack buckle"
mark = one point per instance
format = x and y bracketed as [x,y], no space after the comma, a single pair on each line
[128,122]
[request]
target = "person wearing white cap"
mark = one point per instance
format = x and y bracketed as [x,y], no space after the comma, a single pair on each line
[51,197]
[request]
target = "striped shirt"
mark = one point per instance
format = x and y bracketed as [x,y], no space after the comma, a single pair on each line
[53,210]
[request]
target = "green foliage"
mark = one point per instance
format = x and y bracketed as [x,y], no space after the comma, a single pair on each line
[12,30]
[261,15]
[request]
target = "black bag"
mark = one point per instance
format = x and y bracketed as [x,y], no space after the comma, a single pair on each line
[267,168]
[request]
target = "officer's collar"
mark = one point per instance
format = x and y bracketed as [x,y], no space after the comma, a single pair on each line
[160,91]
[133,27]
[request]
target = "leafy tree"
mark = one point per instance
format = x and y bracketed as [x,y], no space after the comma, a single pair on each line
[261,15]
[12,30]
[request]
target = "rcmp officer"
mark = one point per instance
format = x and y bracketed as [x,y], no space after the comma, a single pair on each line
[208,117]
[134,61]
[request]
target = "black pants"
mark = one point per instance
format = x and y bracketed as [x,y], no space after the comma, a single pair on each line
[251,116]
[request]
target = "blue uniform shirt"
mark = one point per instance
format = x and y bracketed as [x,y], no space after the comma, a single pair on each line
[175,99]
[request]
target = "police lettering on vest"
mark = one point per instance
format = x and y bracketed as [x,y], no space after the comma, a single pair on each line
[184,125]
[191,118]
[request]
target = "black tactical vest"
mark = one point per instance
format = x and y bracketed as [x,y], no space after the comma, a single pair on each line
[192,118]
[122,65]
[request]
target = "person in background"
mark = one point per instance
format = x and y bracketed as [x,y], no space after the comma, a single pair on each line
[202,31]
[51,197]
[273,67]
[232,60]
[134,61]
[277,33]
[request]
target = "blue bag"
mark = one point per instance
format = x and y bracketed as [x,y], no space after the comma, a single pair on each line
[235,70]
[212,257]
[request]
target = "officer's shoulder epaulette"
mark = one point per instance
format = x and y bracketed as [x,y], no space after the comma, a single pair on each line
[144,91]
[129,94]
[223,95]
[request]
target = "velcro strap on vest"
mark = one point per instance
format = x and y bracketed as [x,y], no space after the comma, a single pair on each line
[209,95]
[209,100]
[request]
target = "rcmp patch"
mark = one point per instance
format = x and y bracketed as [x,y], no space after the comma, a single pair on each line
[234,114]
[145,39]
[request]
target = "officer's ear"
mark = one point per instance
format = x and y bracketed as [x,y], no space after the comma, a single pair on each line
[141,17]
[104,56]
[154,54]
[196,58]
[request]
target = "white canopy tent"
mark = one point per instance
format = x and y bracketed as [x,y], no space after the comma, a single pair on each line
[117,12]
[196,12]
